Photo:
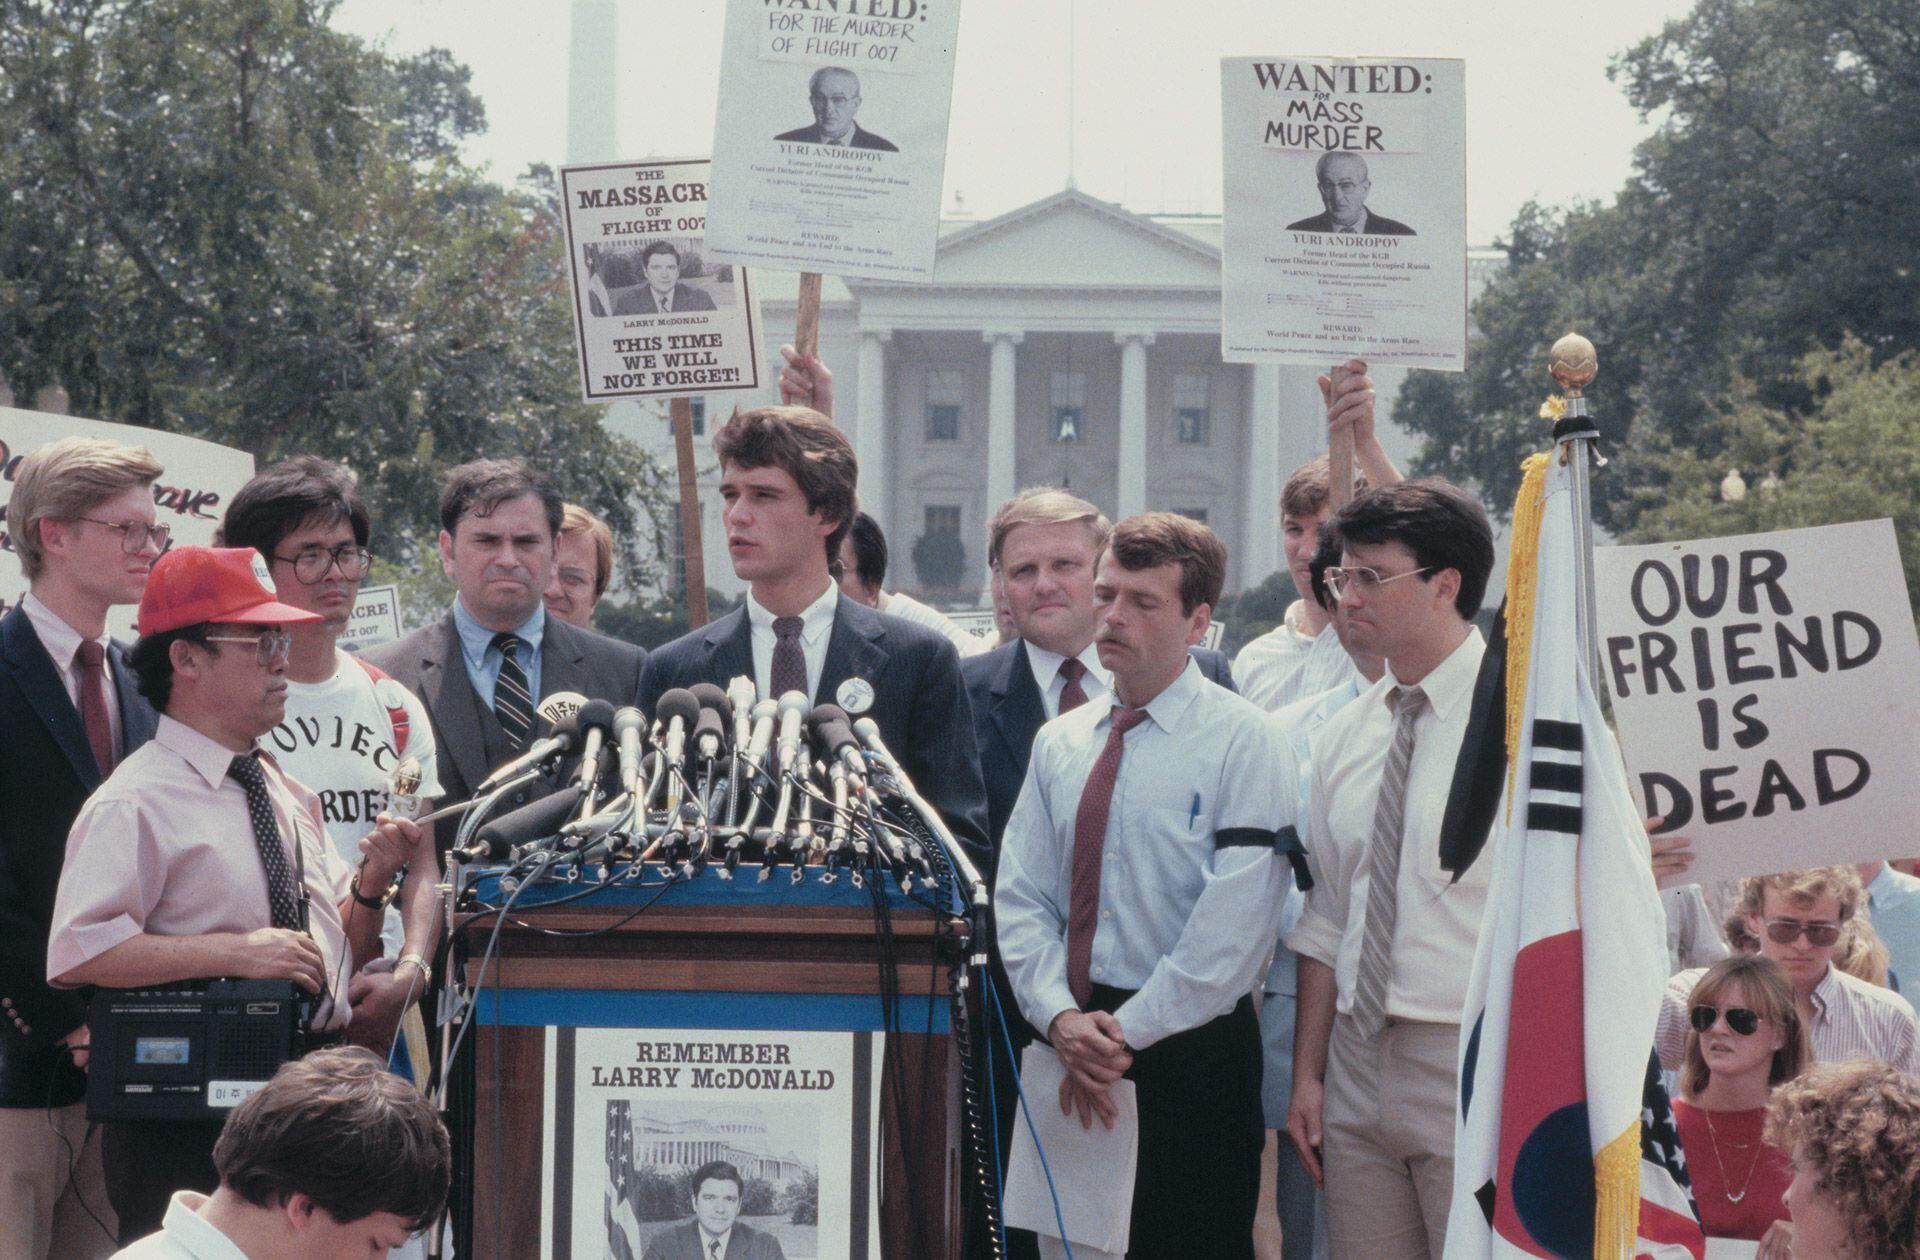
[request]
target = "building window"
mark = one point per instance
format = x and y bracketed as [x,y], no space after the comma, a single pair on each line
[945,392]
[943,519]
[1068,406]
[699,408]
[1192,412]
[1193,513]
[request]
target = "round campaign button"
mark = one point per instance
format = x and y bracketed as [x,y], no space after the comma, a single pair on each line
[855,695]
[263,574]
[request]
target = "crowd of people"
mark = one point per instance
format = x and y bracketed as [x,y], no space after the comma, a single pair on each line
[1216,880]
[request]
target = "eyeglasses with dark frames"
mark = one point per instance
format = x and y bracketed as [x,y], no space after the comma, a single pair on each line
[313,564]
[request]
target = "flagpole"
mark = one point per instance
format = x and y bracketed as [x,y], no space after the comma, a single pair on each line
[1573,365]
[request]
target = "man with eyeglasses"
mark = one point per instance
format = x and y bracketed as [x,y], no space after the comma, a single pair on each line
[1343,185]
[82,522]
[1798,917]
[347,724]
[1386,940]
[200,858]
[834,94]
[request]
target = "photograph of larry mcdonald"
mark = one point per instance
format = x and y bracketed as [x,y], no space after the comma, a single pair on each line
[1343,185]
[834,94]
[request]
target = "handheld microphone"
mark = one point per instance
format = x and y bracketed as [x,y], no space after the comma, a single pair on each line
[764,715]
[498,837]
[629,726]
[710,734]
[679,709]
[793,709]
[740,695]
[596,723]
[556,710]
[834,740]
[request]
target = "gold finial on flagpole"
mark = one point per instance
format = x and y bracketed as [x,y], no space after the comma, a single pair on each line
[1573,364]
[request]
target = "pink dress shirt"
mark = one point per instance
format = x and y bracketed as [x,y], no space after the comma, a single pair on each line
[166,847]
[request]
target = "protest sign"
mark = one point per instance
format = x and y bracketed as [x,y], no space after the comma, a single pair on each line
[190,497]
[1764,687]
[831,137]
[375,619]
[630,1113]
[1364,162]
[653,312]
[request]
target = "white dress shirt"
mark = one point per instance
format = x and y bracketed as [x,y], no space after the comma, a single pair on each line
[964,641]
[184,1235]
[1437,920]
[62,641]
[1852,1019]
[1299,722]
[1190,883]
[1096,682]
[816,626]
[1286,664]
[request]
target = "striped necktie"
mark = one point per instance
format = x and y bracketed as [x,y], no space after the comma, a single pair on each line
[512,694]
[1383,868]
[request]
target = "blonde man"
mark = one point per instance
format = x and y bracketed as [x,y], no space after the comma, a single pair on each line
[1799,918]
[82,522]
[583,565]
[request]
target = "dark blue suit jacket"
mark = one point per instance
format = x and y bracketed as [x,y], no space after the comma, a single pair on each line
[1008,711]
[919,701]
[46,775]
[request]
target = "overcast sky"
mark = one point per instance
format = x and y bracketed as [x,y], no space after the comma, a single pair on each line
[1543,120]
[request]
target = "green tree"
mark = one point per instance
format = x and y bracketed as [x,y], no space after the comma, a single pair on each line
[1851,454]
[939,559]
[1775,209]
[232,221]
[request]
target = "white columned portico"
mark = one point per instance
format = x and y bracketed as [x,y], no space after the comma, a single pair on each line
[1262,477]
[1002,436]
[1130,490]
[870,421]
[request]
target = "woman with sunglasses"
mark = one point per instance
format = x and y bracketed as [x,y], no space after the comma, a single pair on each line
[1744,1037]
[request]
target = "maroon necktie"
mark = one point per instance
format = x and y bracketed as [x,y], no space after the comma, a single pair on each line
[1089,842]
[789,659]
[1073,695]
[93,704]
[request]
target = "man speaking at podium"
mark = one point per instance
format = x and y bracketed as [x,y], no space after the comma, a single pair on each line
[787,476]
[199,858]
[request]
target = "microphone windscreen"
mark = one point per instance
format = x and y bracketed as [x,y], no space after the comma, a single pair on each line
[567,731]
[677,703]
[826,713]
[595,714]
[709,723]
[709,696]
[543,817]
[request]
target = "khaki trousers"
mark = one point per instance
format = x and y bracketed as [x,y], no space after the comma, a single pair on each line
[41,1211]
[1387,1140]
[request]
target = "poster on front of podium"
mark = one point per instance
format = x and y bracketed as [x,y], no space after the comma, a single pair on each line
[1345,214]
[189,498]
[830,141]
[660,1140]
[654,313]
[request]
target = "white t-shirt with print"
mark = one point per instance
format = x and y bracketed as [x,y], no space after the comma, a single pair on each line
[337,741]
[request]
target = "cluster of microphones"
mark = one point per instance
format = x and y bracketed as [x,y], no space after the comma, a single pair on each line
[716,778]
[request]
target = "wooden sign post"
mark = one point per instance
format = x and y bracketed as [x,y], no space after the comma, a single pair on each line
[1340,448]
[693,558]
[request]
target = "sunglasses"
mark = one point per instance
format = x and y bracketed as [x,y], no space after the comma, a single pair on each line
[1786,931]
[1739,1018]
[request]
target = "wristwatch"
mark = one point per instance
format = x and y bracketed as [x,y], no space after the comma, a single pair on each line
[372,903]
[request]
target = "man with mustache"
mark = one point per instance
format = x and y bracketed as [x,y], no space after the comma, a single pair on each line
[1139,892]
[483,669]
[200,858]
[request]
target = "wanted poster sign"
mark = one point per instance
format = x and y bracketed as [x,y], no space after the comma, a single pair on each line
[831,137]
[1764,690]
[190,497]
[1345,211]
[653,312]
[660,1140]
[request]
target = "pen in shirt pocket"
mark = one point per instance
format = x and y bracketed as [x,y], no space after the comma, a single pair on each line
[1193,811]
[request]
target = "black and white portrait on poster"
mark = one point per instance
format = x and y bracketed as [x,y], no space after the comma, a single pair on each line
[831,137]
[1364,162]
[653,312]
[664,1143]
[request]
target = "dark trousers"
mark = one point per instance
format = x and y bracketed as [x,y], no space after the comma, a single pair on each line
[1197,1184]
[146,1161]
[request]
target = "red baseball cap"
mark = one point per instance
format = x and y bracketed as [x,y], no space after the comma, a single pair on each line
[190,585]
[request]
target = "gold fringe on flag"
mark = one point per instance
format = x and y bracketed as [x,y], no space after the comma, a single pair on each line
[1616,1184]
[1523,563]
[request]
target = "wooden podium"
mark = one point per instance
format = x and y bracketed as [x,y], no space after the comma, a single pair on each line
[708,953]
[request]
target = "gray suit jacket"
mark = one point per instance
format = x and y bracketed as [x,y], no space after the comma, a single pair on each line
[465,731]
[682,1242]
